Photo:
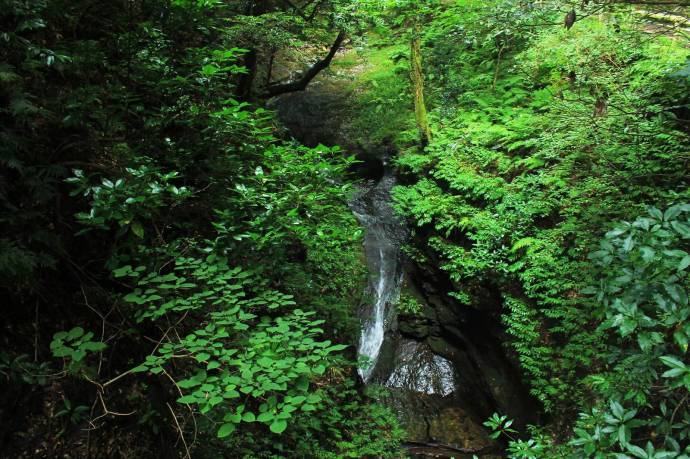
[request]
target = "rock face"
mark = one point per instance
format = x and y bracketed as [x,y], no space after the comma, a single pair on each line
[314,116]
[321,115]
[444,365]
[471,338]
[423,392]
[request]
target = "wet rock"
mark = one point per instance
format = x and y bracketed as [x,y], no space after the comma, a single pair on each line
[456,427]
[418,369]
[415,327]
[315,116]
[436,420]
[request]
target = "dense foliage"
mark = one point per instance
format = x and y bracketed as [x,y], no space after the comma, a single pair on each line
[542,135]
[174,274]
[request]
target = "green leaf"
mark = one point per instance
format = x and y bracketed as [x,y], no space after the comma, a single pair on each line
[137,229]
[265,362]
[302,384]
[265,417]
[226,429]
[623,434]
[673,373]
[187,399]
[671,361]
[647,253]
[684,263]
[336,348]
[202,357]
[94,346]
[278,426]
[681,228]
[123,271]
[75,333]
[672,212]
[628,244]
[617,409]
[187,383]
[235,418]
[655,213]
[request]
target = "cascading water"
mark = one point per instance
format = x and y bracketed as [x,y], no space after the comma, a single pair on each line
[373,330]
[382,246]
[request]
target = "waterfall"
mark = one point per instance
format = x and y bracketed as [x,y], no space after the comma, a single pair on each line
[382,246]
[373,329]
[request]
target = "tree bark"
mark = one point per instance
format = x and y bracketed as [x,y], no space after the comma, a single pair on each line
[244,87]
[417,76]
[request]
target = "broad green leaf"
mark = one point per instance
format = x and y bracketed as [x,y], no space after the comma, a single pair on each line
[672,361]
[187,399]
[278,426]
[226,429]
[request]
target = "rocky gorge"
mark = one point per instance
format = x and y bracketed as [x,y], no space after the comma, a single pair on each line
[444,364]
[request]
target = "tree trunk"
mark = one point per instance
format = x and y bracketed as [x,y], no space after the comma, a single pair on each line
[246,83]
[417,77]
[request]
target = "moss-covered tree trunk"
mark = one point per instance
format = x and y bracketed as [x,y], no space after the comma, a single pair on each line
[418,88]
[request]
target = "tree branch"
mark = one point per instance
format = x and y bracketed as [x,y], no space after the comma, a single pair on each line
[301,83]
[301,10]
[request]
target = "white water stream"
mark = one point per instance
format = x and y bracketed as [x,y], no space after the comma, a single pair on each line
[382,246]
[416,367]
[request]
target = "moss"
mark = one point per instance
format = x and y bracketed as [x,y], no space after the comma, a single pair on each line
[382,110]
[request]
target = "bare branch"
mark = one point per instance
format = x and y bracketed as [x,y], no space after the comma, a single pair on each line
[305,78]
